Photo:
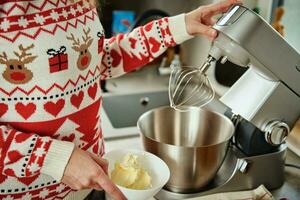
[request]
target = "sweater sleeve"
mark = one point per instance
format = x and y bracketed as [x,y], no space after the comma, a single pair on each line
[126,52]
[28,154]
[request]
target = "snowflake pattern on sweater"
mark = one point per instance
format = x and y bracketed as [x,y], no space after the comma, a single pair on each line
[53,54]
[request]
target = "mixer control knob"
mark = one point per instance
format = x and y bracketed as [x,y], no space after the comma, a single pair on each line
[276,132]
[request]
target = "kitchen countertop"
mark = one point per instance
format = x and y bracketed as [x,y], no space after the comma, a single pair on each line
[291,187]
[290,190]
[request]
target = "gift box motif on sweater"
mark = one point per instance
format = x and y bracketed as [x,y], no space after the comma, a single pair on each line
[59,60]
[42,118]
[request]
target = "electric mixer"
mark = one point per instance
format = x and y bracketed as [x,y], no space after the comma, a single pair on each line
[264,103]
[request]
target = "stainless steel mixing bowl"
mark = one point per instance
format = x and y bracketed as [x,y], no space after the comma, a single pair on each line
[193,144]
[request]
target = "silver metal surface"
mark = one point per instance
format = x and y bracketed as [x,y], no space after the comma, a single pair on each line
[193,144]
[206,64]
[246,38]
[276,132]
[272,84]
[266,169]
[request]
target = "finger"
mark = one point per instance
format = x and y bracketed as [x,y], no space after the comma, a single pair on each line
[220,7]
[209,21]
[206,31]
[211,38]
[109,186]
[100,161]
[96,186]
[212,21]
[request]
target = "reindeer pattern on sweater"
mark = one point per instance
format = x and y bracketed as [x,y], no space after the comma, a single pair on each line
[53,54]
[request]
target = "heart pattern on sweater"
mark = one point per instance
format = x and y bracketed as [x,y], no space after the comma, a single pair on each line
[92,91]
[3,109]
[25,110]
[14,156]
[54,108]
[154,45]
[28,180]
[132,42]
[22,137]
[116,58]
[9,172]
[77,99]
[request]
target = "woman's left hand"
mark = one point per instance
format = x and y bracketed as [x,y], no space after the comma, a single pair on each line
[200,21]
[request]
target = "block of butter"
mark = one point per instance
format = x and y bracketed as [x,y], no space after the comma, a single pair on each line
[130,174]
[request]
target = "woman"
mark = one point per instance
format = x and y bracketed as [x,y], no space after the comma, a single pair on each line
[52,57]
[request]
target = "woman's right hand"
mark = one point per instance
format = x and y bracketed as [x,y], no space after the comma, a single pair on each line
[200,21]
[87,171]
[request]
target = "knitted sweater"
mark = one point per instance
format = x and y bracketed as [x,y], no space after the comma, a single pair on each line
[53,54]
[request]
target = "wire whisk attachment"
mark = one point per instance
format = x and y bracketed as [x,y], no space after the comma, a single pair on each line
[190,87]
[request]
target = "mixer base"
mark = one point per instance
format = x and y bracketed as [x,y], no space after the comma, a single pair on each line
[240,173]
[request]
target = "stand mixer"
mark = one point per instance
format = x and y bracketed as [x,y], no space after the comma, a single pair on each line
[263,104]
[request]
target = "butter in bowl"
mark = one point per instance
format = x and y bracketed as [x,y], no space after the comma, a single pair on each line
[138,174]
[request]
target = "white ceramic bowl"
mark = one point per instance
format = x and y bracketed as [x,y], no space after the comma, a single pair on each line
[156,168]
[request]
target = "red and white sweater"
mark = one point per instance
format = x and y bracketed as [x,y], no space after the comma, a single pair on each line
[52,57]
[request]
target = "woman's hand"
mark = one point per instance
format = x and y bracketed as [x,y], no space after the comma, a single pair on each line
[199,21]
[86,170]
